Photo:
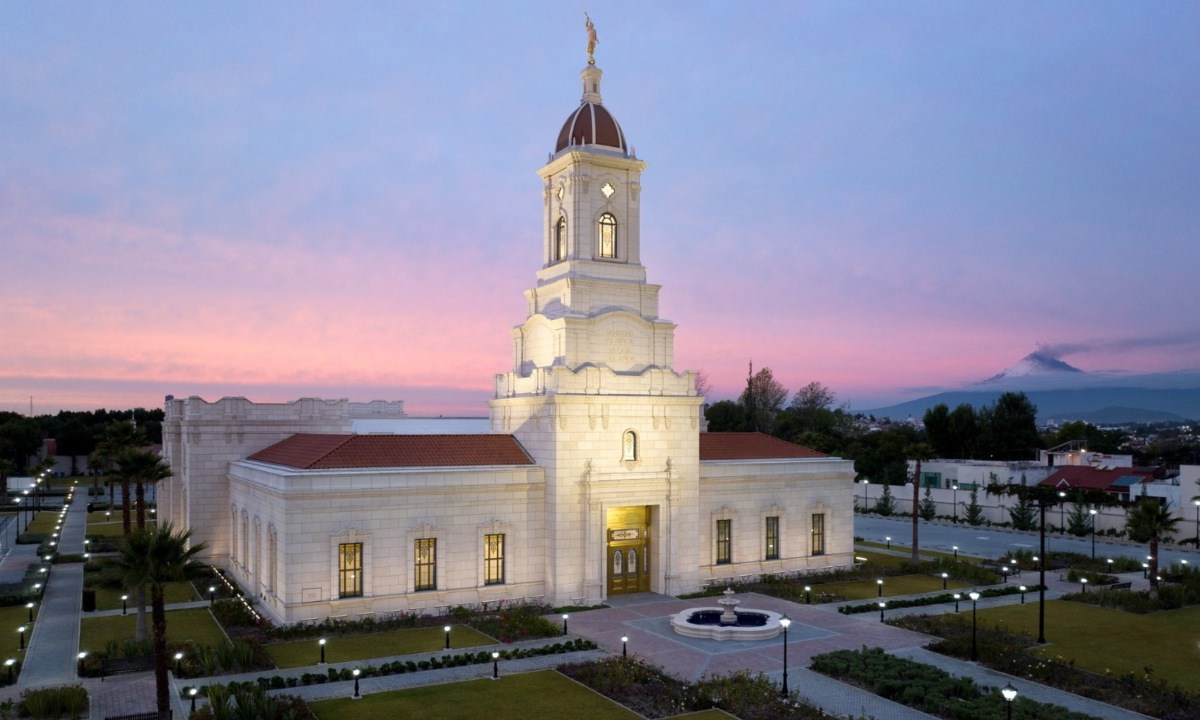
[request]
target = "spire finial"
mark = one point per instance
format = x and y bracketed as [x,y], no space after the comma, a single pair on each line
[592,40]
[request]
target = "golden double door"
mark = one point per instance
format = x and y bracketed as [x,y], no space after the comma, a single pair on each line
[628,560]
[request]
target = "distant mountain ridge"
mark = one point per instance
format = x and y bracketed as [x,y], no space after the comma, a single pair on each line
[1064,393]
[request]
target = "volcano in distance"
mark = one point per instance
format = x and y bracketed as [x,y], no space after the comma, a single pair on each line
[1064,393]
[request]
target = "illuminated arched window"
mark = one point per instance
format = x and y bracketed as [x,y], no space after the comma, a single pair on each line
[559,251]
[608,235]
[629,447]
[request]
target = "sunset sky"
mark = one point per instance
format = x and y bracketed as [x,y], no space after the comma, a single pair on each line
[282,199]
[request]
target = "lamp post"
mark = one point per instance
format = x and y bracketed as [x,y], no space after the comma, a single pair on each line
[212,594]
[178,660]
[879,584]
[1092,512]
[1197,502]
[882,605]
[447,629]
[889,541]
[9,664]
[1062,511]
[79,662]
[495,666]
[945,577]
[955,488]
[565,616]
[29,606]
[808,594]
[784,622]
[192,692]
[957,597]
[624,646]
[321,642]
[357,695]
[1023,589]
[867,482]
[974,626]
[955,553]
[1010,693]
[21,630]
[124,604]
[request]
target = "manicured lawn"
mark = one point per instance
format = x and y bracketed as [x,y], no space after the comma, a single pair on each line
[892,586]
[43,522]
[542,694]
[196,625]
[1111,641]
[176,592]
[14,617]
[107,525]
[374,645]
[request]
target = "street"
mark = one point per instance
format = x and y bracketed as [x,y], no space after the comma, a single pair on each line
[986,542]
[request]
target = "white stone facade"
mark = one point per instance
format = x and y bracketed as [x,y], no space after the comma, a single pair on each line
[617,495]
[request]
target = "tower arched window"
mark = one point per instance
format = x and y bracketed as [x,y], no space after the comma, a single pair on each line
[608,235]
[629,446]
[560,240]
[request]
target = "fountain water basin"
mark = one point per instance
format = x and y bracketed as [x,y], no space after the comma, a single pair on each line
[726,622]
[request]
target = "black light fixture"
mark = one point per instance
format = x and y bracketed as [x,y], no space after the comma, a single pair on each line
[784,622]
[1023,590]
[974,626]
[192,692]
[955,553]
[321,642]
[1092,512]
[357,695]
[879,584]
[808,595]
[1010,693]
[882,606]
[495,665]
[945,577]
[624,646]
[29,605]
[124,604]
[565,616]
[21,630]
[447,629]
[178,660]
[957,597]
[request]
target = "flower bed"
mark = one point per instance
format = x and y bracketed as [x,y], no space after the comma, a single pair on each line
[929,689]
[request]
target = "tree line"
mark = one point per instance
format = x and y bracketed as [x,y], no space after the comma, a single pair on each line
[77,434]
[812,417]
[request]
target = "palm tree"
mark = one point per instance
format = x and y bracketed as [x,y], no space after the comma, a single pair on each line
[155,557]
[917,452]
[141,468]
[1150,521]
[116,439]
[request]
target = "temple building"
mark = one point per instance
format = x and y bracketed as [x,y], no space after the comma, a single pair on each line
[594,477]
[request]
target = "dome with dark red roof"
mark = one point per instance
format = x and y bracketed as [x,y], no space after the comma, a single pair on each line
[591,123]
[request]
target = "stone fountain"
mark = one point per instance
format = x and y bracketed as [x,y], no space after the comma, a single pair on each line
[726,622]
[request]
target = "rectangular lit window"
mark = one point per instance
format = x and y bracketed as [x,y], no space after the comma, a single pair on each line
[425,564]
[818,534]
[772,543]
[493,559]
[350,570]
[724,542]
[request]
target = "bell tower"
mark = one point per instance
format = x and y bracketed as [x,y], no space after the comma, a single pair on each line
[592,394]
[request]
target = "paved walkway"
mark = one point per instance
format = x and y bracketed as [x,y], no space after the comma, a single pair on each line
[53,646]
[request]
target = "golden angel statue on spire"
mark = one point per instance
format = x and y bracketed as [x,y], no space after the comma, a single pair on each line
[592,40]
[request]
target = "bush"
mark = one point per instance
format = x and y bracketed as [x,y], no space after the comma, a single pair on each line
[523,622]
[927,688]
[70,701]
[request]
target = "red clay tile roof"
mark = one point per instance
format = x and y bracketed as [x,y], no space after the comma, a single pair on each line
[750,446]
[321,452]
[1090,478]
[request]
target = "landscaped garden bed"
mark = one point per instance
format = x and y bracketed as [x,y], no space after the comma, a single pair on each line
[1135,688]
[930,689]
[653,694]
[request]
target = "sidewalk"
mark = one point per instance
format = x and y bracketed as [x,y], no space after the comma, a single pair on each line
[54,643]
